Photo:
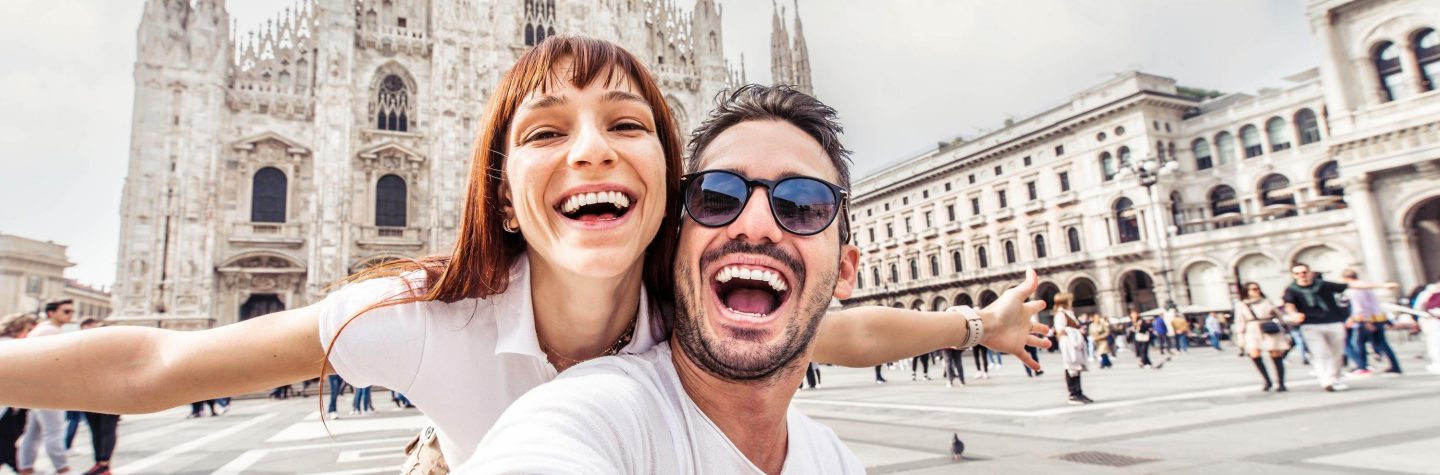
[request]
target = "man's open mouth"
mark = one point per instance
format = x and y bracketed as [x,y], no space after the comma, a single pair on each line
[750,291]
[595,206]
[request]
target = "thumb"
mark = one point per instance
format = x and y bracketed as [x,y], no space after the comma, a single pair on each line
[1031,282]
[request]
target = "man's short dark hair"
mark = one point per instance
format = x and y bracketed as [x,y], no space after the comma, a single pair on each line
[757,102]
[1299,264]
[55,305]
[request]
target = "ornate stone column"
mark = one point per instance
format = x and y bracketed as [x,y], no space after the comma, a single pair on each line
[1372,231]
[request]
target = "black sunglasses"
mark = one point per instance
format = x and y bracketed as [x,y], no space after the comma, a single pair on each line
[801,205]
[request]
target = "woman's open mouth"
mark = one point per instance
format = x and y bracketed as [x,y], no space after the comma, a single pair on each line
[595,206]
[750,293]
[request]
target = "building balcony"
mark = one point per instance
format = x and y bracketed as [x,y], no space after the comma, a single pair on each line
[952,227]
[1066,199]
[890,243]
[1004,215]
[268,234]
[394,39]
[976,221]
[910,238]
[930,232]
[391,237]
[1033,207]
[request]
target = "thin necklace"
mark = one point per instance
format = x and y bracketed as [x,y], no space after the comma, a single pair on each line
[614,348]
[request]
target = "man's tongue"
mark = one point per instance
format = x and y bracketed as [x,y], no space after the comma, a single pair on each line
[753,301]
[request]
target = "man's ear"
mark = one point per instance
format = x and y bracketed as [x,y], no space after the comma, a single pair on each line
[849,270]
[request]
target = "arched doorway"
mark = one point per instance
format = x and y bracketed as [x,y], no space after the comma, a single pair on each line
[1206,286]
[1137,289]
[1263,270]
[260,304]
[988,297]
[964,299]
[1424,230]
[940,304]
[1084,291]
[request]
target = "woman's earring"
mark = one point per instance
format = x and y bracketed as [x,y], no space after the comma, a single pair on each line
[511,228]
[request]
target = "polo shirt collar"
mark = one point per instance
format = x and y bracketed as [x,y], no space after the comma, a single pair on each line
[515,318]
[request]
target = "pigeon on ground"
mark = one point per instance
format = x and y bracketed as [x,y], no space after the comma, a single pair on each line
[956,448]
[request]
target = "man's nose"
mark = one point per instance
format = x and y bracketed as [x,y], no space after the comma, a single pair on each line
[755,223]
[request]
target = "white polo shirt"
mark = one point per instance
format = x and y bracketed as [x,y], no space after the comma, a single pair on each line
[461,363]
[630,414]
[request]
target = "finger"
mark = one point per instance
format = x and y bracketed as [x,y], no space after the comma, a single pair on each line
[1038,342]
[1034,306]
[1039,328]
[1028,286]
[1027,360]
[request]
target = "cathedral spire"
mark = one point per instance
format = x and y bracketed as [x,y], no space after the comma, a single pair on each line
[782,70]
[801,59]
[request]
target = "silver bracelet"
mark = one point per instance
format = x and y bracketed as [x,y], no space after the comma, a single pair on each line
[977,326]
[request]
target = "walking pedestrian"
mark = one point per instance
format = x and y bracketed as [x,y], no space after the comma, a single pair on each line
[1428,302]
[47,426]
[954,366]
[982,362]
[1322,314]
[919,361]
[1035,352]
[878,378]
[361,404]
[337,386]
[1369,323]
[1262,330]
[1213,327]
[1101,339]
[1144,332]
[12,419]
[1161,340]
[1180,327]
[812,375]
[1072,347]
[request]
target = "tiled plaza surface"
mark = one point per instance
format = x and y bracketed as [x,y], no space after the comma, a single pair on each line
[1202,413]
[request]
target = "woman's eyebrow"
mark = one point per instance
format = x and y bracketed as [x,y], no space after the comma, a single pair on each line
[613,96]
[545,102]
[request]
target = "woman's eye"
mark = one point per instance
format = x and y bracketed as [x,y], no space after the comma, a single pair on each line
[542,135]
[630,126]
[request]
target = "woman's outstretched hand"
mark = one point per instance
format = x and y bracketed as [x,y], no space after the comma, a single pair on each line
[1008,328]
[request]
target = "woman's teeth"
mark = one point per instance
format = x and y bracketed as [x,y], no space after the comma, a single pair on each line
[573,204]
[735,272]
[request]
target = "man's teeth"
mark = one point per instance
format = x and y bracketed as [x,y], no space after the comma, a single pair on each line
[733,272]
[613,197]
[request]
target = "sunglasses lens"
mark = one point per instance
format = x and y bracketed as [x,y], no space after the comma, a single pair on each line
[714,199]
[803,205]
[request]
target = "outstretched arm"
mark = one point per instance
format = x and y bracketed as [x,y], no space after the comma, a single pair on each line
[127,370]
[1373,285]
[867,336]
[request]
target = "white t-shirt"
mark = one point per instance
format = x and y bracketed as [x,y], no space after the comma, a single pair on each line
[629,414]
[461,363]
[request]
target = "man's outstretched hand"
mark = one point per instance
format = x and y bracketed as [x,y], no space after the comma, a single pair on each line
[1008,328]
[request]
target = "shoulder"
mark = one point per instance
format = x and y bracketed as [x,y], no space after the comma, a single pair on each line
[1336,286]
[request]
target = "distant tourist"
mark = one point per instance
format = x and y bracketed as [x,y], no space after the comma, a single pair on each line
[1367,326]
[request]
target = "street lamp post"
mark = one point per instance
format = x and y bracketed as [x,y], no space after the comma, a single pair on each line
[1148,171]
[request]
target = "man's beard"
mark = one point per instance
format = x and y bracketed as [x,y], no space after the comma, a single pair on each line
[743,357]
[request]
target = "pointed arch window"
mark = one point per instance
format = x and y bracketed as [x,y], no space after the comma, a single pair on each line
[390,201]
[1040,250]
[1386,58]
[1427,55]
[267,196]
[1073,235]
[1127,222]
[529,34]
[393,104]
[1224,148]
[1201,149]
[1308,126]
[1250,138]
[1279,134]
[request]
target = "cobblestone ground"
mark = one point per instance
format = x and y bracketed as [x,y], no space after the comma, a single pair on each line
[1202,413]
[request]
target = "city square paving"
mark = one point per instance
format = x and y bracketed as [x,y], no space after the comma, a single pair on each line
[1202,413]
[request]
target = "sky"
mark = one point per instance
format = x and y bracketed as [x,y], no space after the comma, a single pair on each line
[903,74]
